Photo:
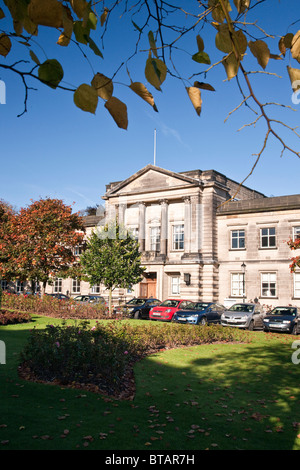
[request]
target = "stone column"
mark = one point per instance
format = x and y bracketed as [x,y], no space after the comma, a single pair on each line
[142,225]
[187,224]
[164,227]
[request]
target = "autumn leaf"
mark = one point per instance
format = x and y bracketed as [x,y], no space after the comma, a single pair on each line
[141,90]
[48,13]
[155,72]
[118,110]
[86,98]
[5,44]
[261,51]
[51,73]
[103,85]
[295,47]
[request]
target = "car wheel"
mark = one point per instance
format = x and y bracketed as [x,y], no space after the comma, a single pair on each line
[251,326]
[294,330]
[136,315]
[203,321]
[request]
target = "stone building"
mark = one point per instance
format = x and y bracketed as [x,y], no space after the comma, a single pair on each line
[202,237]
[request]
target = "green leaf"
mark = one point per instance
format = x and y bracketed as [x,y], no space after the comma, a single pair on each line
[152,43]
[86,98]
[51,72]
[201,58]
[81,33]
[34,57]
[94,47]
[155,72]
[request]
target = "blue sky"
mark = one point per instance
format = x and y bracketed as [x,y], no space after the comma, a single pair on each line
[57,150]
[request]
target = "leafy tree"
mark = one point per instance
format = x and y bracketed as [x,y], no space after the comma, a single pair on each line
[112,258]
[38,243]
[228,34]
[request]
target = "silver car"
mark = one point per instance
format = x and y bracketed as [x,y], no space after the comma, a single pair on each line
[244,315]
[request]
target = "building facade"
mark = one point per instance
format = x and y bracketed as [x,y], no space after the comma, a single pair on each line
[202,236]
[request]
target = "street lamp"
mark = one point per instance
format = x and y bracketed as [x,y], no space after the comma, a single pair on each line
[243,266]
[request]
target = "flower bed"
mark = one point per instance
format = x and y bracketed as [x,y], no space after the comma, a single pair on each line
[7,317]
[52,307]
[101,358]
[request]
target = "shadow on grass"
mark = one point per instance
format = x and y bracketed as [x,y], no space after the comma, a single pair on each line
[218,396]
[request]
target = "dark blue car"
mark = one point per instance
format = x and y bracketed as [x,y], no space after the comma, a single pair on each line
[200,313]
[285,319]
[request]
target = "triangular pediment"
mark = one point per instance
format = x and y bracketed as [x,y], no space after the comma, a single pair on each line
[151,178]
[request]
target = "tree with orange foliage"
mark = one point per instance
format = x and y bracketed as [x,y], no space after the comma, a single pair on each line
[37,243]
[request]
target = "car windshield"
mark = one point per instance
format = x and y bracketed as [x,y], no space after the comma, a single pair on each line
[284,311]
[199,306]
[169,303]
[241,308]
[136,302]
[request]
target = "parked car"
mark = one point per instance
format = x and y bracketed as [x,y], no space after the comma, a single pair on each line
[91,299]
[244,315]
[138,307]
[200,313]
[285,319]
[59,296]
[167,308]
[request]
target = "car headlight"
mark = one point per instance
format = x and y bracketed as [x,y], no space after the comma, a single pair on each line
[286,321]
[266,320]
[223,316]
[168,310]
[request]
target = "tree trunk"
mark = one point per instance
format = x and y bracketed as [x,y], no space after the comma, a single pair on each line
[110,301]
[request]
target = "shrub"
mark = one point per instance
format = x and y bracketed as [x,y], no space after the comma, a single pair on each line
[55,308]
[7,317]
[102,355]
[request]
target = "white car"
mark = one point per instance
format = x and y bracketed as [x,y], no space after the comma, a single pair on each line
[244,315]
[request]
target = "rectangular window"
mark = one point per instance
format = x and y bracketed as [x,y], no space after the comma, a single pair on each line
[237,239]
[175,285]
[95,289]
[19,286]
[134,232]
[75,286]
[57,286]
[155,239]
[297,285]
[268,237]
[296,233]
[78,250]
[3,284]
[178,237]
[268,285]
[238,284]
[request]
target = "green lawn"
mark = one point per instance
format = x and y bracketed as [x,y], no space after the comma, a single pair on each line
[221,396]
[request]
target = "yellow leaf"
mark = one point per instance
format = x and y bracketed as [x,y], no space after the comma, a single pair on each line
[5,44]
[65,37]
[231,66]
[79,7]
[86,98]
[118,110]
[294,75]
[223,39]
[49,13]
[155,72]
[103,85]
[200,43]
[142,91]
[295,48]
[103,16]
[261,51]
[195,97]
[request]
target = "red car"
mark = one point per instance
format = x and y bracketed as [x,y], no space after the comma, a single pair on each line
[167,308]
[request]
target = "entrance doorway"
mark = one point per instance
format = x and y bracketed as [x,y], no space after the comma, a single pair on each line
[148,285]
